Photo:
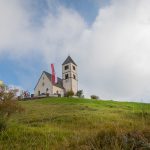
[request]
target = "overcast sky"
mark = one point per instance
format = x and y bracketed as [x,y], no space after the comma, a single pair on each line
[108,39]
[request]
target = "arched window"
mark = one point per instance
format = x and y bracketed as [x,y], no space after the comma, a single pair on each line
[74,68]
[66,67]
[66,76]
[74,76]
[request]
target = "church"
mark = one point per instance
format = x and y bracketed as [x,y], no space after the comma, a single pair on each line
[68,82]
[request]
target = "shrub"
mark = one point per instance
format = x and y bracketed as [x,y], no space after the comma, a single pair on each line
[80,93]
[112,140]
[94,97]
[69,94]
[8,106]
[47,94]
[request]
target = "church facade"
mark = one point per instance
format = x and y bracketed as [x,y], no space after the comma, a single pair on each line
[68,82]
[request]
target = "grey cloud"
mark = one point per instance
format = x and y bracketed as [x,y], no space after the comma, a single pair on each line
[112,54]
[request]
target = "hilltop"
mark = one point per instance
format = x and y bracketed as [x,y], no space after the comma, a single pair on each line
[69,123]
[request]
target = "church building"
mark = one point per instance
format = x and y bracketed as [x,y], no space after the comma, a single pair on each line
[68,82]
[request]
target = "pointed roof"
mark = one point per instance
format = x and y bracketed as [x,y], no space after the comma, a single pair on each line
[69,60]
[49,76]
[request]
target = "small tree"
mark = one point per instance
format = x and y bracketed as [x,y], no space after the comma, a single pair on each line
[8,105]
[94,97]
[69,93]
[80,93]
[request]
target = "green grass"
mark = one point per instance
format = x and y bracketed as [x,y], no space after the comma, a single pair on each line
[69,123]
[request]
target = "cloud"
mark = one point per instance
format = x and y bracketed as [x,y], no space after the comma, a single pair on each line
[17,36]
[119,51]
[60,32]
[112,54]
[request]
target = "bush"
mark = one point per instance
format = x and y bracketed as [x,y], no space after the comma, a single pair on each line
[94,97]
[69,94]
[8,106]
[47,94]
[79,93]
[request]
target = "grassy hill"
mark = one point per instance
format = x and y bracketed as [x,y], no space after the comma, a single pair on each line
[68,123]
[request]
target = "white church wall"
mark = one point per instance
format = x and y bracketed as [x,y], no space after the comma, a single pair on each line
[72,82]
[43,84]
[74,78]
[67,85]
[72,70]
[74,86]
[66,82]
[63,68]
[57,90]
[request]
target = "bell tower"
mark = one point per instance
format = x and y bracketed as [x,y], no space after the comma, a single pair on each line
[69,75]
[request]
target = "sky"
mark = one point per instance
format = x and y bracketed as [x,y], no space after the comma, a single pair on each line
[108,39]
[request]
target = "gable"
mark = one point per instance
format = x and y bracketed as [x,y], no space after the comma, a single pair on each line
[49,76]
[42,75]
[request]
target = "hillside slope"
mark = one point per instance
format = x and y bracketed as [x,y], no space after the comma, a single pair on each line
[68,123]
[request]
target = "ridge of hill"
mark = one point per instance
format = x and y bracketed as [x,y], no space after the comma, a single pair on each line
[70,123]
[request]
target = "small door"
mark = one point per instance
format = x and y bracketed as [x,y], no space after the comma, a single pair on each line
[39,93]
